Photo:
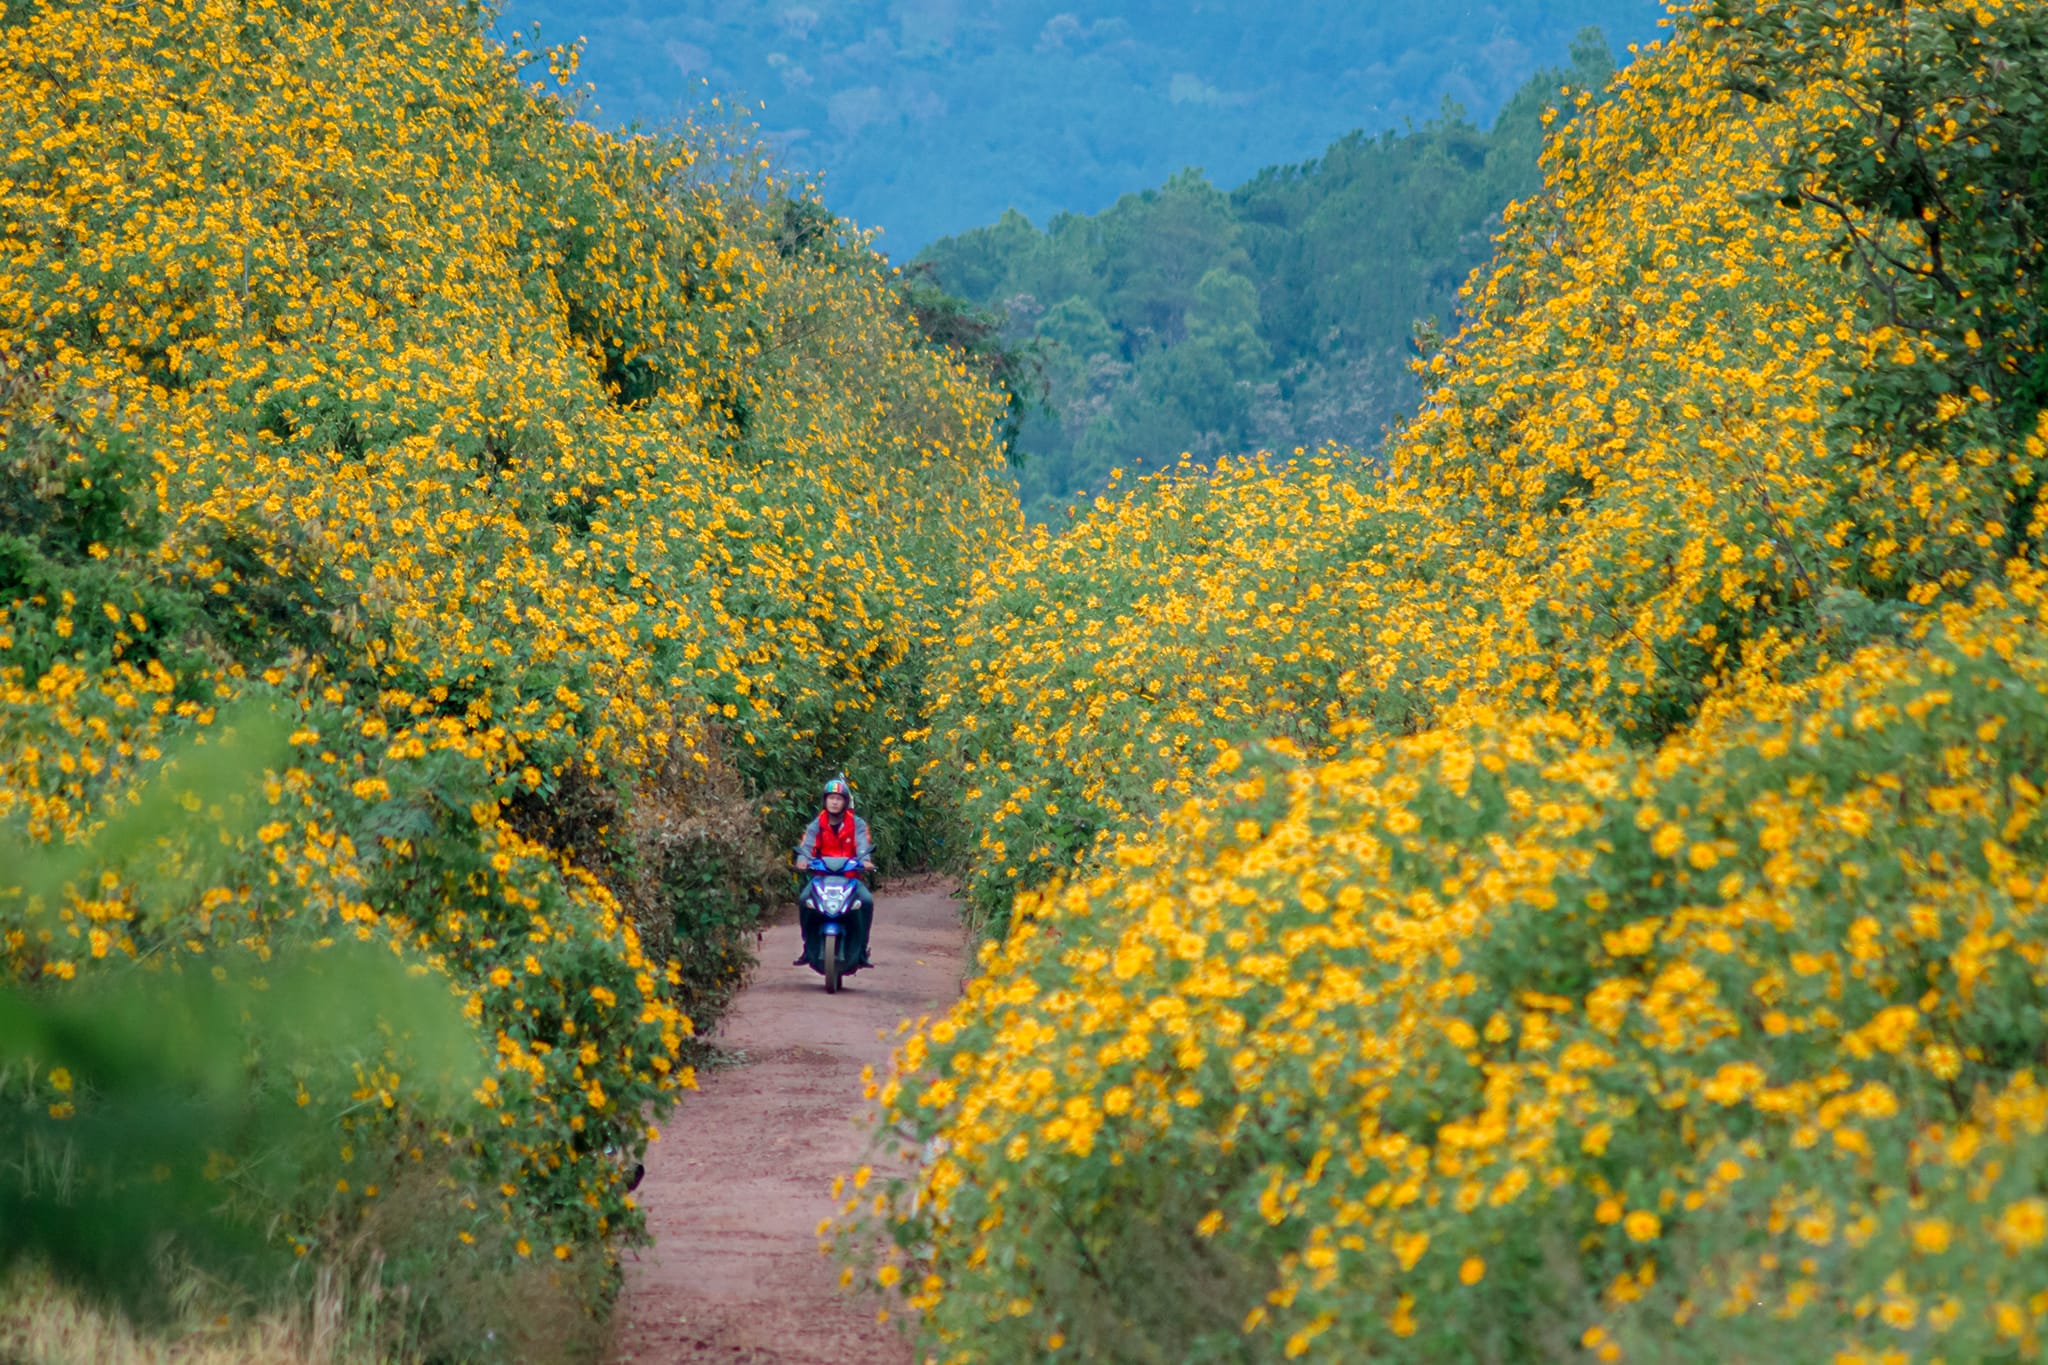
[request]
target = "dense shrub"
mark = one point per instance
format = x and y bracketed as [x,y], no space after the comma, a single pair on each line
[1099,675]
[575,528]
[1627,945]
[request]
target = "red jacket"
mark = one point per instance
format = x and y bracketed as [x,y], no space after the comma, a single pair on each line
[846,841]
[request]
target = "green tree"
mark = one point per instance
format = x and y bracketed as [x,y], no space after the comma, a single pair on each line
[1224,319]
[1077,326]
[1157,249]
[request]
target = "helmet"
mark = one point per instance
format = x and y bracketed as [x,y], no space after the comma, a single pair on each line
[838,785]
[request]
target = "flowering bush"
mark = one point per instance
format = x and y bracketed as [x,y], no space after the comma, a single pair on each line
[1462,1041]
[1606,924]
[570,516]
[1101,674]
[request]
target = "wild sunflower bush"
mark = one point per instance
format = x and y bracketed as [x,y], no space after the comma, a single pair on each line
[1683,425]
[1483,1042]
[574,516]
[1606,921]
[1099,674]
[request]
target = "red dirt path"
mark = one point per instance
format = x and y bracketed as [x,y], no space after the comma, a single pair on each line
[742,1175]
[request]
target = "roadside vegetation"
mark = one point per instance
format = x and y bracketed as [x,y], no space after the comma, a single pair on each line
[557,512]
[1570,889]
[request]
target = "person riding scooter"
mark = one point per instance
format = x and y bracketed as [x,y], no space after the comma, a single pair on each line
[838,833]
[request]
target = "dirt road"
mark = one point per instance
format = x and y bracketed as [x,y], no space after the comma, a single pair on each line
[742,1175]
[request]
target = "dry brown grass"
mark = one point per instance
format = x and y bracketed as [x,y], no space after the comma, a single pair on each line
[393,1285]
[42,1323]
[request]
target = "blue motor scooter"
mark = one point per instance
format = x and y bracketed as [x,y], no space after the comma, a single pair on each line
[831,910]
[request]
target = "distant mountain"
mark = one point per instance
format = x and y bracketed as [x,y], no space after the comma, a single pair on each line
[1273,316]
[928,117]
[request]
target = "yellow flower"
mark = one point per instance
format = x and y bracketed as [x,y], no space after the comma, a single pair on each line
[1931,1235]
[2024,1224]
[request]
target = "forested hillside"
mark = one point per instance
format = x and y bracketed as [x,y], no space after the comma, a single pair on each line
[1279,315]
[562,512]
[929,117]
[1575,888]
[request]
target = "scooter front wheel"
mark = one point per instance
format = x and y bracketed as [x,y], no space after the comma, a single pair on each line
[831,964]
